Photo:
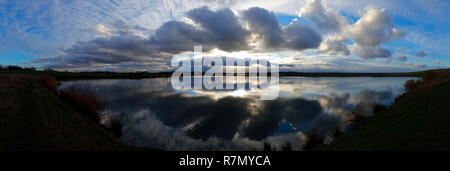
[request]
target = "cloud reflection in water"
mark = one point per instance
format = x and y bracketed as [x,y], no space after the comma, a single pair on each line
[156,115]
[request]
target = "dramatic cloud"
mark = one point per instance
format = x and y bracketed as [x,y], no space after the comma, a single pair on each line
[298,36]
[265,24]
[49,29]
[254,30]
[421,54]
[402,58]
[327,20]
[334,46]
[219,29]
[222,27]
[295,36]
[375,27]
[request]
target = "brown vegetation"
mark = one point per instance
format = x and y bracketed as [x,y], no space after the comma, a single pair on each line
[84,102]
[34,118]
[429,80]
[50,83]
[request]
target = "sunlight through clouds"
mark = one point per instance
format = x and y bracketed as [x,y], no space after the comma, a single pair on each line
[94,35]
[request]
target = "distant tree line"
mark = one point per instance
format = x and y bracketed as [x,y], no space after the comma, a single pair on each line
[16,68]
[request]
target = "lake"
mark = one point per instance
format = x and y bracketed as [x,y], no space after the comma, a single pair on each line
[154,114]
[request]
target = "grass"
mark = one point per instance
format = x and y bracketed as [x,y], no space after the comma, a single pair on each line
[34,118]
[84,102]
[419,120]
[116,127]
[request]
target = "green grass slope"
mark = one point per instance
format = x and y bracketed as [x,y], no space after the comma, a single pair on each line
[34,118]
[420,120]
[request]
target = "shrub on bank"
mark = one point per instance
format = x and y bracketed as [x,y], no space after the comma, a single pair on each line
[116,127]
[411,85]
[84,102]
[313,139]
[49,82]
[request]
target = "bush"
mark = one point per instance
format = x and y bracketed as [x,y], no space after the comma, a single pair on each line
[379,108]
[12,67]
[286,147]
[411,85]
[337,133]
[49,83]
[313,139]
[358,114]
[116,127]
[268,146]
[84,102]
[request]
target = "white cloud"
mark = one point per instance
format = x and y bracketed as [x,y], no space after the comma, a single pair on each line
[370,52]
[336,45]
[416,65]
[326,19]
[102,29]
[375,27]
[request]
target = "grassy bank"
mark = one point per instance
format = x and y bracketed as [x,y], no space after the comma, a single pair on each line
[419,120]
[33,117]
[86,75]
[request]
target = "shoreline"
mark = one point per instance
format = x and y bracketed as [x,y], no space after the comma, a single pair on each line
[418,120]
[66,76]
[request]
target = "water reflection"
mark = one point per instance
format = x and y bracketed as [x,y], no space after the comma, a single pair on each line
[156,115]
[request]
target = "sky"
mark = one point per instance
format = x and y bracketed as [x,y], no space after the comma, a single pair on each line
[307,35]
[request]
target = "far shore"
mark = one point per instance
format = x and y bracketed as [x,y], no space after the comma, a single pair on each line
[143,75]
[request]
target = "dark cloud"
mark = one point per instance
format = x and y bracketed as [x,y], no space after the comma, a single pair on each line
[219,29]
[223,28]
[402,58]
[298,36]
[421,54]
[295,36]
[258,29]
[265,24]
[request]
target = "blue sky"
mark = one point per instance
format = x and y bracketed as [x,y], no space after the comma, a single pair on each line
[65,34]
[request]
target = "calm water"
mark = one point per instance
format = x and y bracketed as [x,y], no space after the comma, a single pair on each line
[154,114]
